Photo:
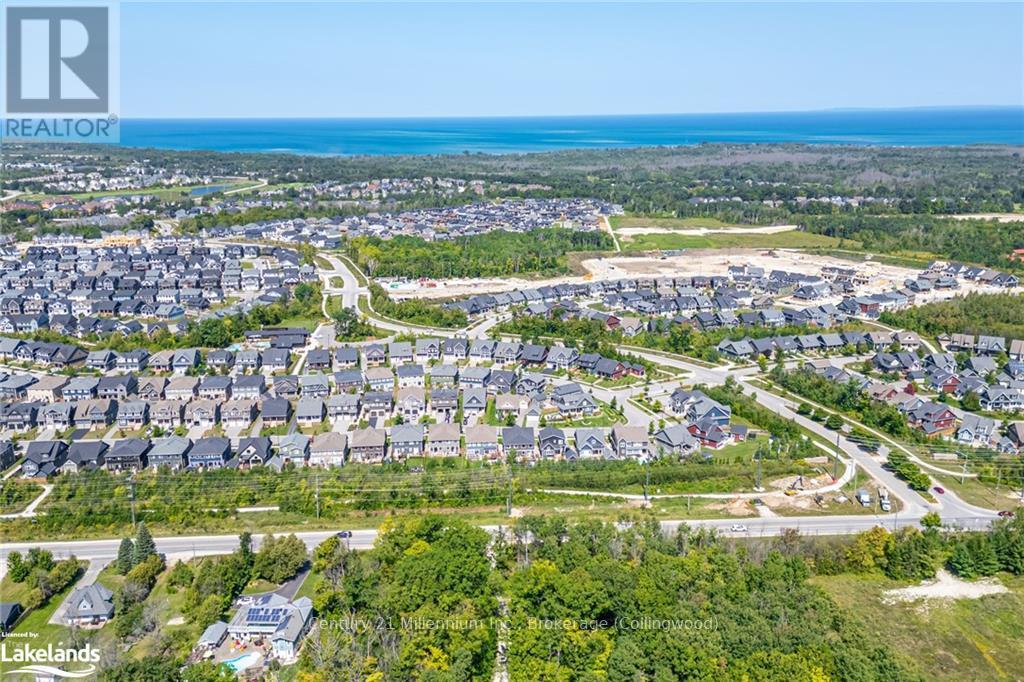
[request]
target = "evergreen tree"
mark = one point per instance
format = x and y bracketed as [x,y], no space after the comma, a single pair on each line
[985,559]
[245,548]
[125,556]
[961,562]
[17,567]
[144,545]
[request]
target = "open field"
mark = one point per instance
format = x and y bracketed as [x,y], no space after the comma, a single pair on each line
[783,237]
[999,217]
[631,232]
[159,191]
[962,639]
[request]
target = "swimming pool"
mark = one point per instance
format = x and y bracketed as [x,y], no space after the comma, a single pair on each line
[244,661]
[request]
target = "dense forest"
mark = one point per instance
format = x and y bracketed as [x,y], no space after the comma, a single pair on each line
[415,311]
[988,314]
[618,602]
[494,254]
[971,241]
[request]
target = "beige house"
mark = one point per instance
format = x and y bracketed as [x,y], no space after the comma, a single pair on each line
[47,389]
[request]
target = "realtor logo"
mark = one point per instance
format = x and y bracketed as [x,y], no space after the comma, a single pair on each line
[58,60]
[60,70]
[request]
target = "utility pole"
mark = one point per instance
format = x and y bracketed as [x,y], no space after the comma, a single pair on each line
[835,465]
[508,499]
[647,481]
[757,480]
[317,479]
[963,473]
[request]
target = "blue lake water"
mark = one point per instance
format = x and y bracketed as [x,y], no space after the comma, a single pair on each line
[903,127]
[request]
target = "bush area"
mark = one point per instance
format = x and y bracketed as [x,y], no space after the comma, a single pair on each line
[988,314]
[43,576]
[16,494]
[971,241]
[494,254]
[415,311]
[846,398]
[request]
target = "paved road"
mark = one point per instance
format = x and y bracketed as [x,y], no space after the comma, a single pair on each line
[948,505]
[185,547]
[351,291]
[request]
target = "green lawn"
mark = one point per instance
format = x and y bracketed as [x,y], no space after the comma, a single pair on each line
[604,417]
[976,492]
[788,240]
[310,323]
[979,639]
[159,191]
[308,586]
[259,586]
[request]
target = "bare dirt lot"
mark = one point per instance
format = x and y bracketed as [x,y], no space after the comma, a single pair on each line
[1001,217]
[945,587]
[700,231]
[882,276]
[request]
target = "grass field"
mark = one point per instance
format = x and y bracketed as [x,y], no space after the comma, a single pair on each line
[309,323]
[160,192]
[620,221]
[784,240]
[981,639]
[976,492]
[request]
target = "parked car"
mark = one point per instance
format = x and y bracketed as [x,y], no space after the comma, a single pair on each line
[738,528]
[1006,512]
[939,489]
[344,534]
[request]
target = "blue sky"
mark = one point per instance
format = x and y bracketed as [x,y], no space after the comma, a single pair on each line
[243,59]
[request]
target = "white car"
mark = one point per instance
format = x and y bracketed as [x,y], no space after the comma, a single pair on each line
[738,528]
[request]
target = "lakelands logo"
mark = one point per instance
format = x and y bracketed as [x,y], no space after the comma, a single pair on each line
[50,661]
[60,73]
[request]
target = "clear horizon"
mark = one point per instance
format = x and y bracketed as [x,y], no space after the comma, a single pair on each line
[433,60]
[838,110]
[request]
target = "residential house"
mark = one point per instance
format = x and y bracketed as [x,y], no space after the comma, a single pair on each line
[170,452]
[482,443]
[629,442]
[327,450]
[367,445]
[443,440]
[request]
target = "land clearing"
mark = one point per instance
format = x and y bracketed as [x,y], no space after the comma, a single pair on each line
[953,639]
[999,217]
[945,587]
[700,231]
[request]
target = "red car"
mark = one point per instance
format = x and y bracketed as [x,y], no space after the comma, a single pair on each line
[939,489]
[1006,512]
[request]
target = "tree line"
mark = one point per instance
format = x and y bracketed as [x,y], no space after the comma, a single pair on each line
[494,254]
